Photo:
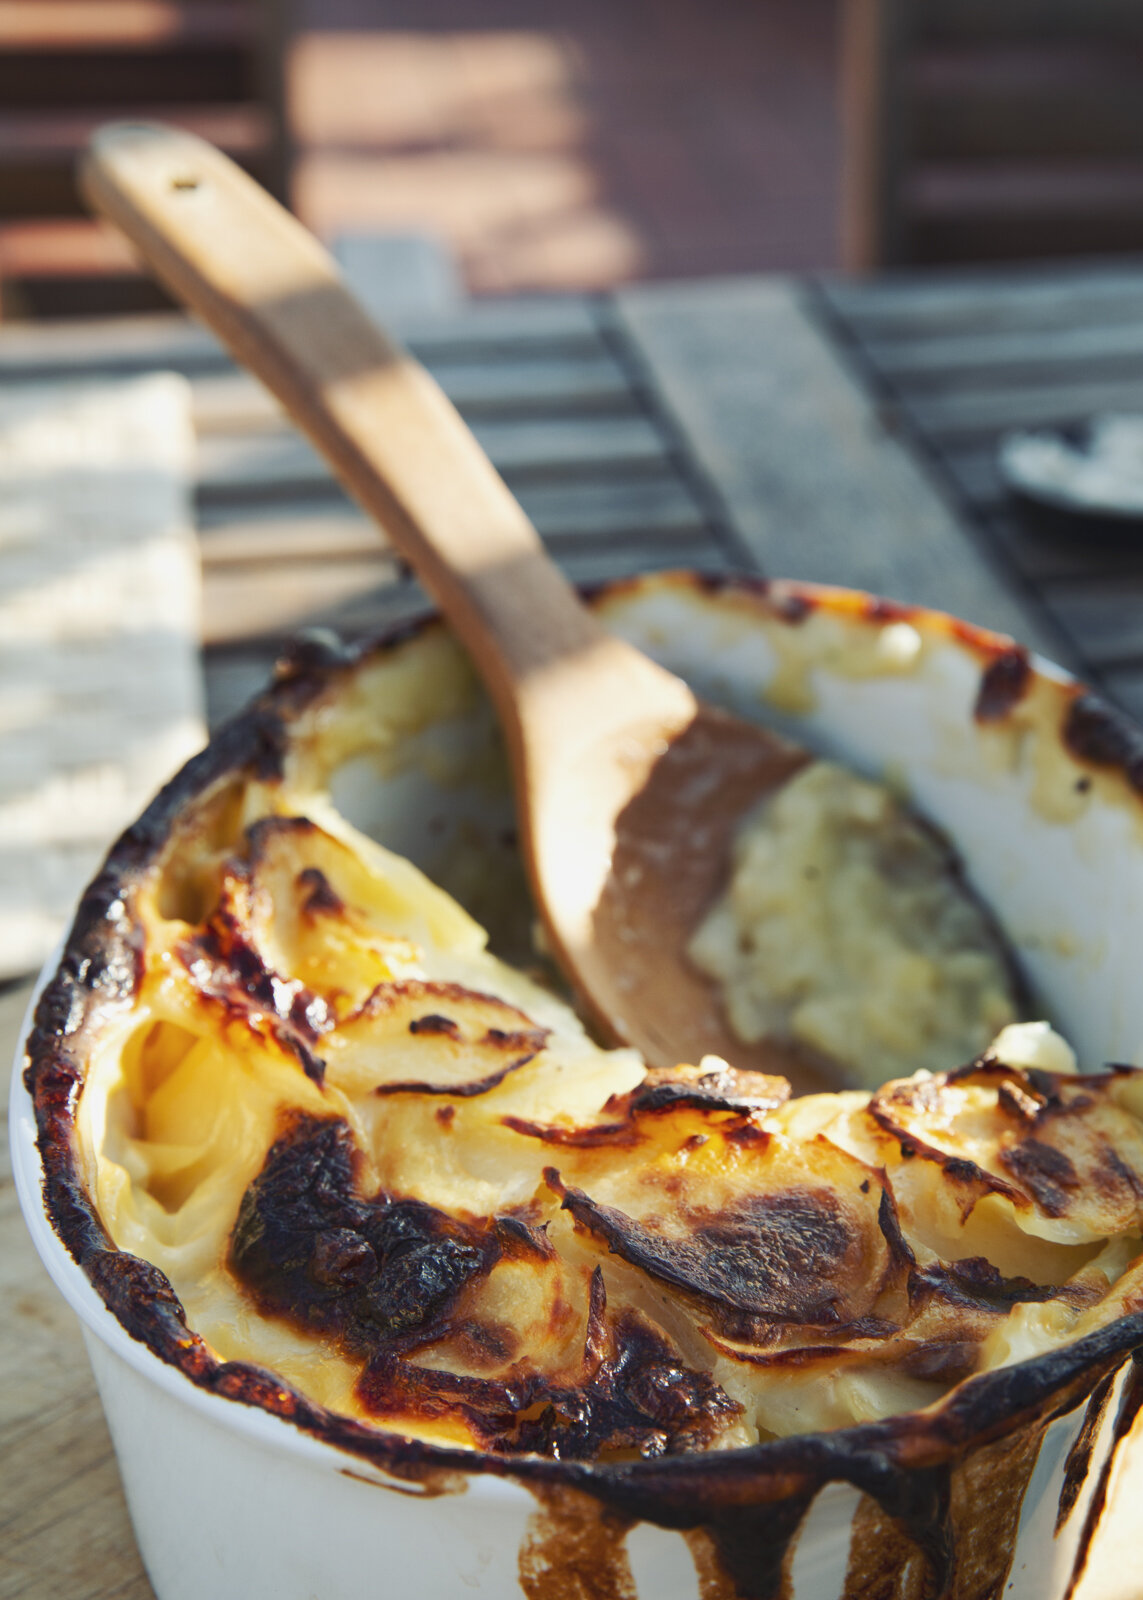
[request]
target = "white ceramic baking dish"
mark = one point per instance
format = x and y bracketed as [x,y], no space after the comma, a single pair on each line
[239,1493]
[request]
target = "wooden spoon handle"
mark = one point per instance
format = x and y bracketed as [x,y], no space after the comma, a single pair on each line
[275,298]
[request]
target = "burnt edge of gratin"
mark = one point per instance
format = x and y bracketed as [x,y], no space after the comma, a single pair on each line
[749,1501]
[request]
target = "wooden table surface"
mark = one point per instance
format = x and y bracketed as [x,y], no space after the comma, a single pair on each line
[832,431]
[953,362]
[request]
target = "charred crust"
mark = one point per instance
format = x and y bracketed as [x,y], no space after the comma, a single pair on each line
[1045,1084]
[1118,1172]
[958,1169]
[696,579]
[313,654]
[975,1284]
[1045,1171]
[226,967]
[846,1346]
[261,834]
[878,609]
[1032,1093]
[381,1273]
[724,1089]
[747,1133]
[1042,1173]
[983,642]
[461,1091]
[726,1099]
[101,964]
[1003,684]
[433,1022]
[965,1174]
[594,1342]
[944,1361]
[319,898]
[533,1040]
[678,1492]
[575,1138]
[523,1035]
[101,968]
[1098,733]
[900,1251]
[1018,1102]
[779,598]
[651,1097]
[793,608]
[123,1280]
[788,604]
[632,1394]
[519,1239]
[715,583]
[775,1258]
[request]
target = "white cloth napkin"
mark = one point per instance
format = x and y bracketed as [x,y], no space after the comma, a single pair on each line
[100,674]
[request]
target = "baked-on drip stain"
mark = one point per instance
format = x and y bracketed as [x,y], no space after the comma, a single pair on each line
[954,1537]
[920,1505]
[1130,1403]
[749,1552]
[715,1582]
[1079,1456]
[988,1490]
[574,1549]
[884,1563]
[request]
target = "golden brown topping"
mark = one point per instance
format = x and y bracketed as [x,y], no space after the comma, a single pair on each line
[378,1163]
[795,1256]
[1058,1142]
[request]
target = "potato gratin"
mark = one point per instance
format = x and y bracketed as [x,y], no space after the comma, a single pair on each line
[377,1161]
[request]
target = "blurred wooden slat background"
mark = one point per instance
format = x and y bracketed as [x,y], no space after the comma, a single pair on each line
[213,66]
[991,129]
[564,145]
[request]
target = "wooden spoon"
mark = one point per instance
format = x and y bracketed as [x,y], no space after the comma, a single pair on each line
[628,789]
